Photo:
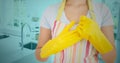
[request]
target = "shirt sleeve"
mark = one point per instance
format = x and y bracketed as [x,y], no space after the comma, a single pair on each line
[106,16]
[44,22]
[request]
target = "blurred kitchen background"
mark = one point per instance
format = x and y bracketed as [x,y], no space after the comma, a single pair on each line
[19,28]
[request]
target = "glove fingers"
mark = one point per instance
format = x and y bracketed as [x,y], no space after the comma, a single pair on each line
[87,21]
[68,27]
[84,21]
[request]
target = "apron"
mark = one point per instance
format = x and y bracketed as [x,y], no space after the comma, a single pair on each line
[81,52]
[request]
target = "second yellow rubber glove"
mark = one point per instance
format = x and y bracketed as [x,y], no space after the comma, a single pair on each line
[65,39]
[90,30]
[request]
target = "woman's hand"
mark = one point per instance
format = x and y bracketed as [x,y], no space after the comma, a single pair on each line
[102,39]
[91,31]
[66,38]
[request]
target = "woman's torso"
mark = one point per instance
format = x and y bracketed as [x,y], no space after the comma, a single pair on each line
[81,52]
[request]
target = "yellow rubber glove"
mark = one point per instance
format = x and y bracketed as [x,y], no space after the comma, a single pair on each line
[90,30]
[65,39]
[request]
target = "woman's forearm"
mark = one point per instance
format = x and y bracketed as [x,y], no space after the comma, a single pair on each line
[44,36]
[109,57]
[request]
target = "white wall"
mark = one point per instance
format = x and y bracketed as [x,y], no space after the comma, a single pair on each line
[23,12]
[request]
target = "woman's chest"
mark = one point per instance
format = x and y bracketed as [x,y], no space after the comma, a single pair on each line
[75,13]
